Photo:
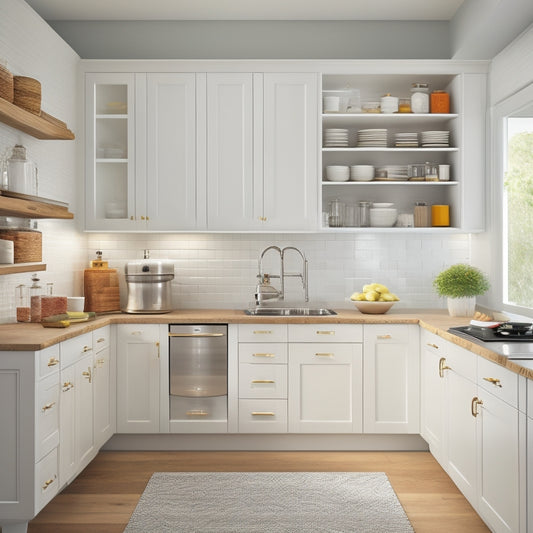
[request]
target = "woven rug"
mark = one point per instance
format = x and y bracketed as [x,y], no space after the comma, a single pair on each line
[246,502]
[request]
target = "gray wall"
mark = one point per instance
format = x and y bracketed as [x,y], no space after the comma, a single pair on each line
[256,39]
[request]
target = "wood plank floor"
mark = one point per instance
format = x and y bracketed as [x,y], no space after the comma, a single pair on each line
[104,495]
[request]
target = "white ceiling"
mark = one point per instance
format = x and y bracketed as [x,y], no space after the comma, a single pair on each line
[246,9]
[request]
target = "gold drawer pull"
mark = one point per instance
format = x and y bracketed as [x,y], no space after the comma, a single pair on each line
[263,413]
[48,482]
[264,355]
[48,406]
[325,354]
[100,363]
[443,366]
[87,374]
[263,332]
[53,361]
[387,336]
[325,332]
[431,345]
[197,412]
[68,385]
[101,339]
[86,349]
[263,381]
[475,402]
[496,382]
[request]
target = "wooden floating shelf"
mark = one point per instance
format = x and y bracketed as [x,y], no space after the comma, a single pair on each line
[18,268]
[37,126]
[16,207]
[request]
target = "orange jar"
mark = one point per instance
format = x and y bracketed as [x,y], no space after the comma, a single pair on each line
[440,102]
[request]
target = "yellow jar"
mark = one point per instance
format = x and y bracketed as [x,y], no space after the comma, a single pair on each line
[440,215]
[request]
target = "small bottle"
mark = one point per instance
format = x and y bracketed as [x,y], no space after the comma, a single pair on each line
[431,171]
[36,293]
[422,215]
[22,303]
[420,98]
[364,214]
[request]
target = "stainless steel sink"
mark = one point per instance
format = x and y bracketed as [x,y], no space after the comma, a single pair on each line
[289,311]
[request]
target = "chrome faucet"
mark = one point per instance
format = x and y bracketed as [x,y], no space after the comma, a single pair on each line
[265,291]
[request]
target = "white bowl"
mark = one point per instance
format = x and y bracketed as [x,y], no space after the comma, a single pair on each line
[361,172]
[383,217]
[75,303]
[373,308]
[337,173]
[382,204]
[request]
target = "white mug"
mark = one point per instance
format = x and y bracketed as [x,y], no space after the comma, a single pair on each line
[444,172]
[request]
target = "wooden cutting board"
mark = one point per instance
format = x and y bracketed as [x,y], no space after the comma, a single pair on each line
[101,290]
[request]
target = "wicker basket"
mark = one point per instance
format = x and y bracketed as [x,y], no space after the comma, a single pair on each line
[27,94]
[6,84]
[28,245]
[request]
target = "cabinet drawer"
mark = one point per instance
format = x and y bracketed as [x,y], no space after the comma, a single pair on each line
[389,333]
[101,338]
[461,361]
[46,480]
[49,361]
[262,332]
[262,381]
[498,380]
[263,353]
[262,416]
[210,408]
[73,349]
[432,342]
[47,416]
[325,333]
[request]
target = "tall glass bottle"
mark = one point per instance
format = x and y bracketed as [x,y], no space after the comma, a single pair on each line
[36,292]
[22,303]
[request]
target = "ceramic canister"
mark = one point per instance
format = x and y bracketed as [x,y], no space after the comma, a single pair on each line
[440,215]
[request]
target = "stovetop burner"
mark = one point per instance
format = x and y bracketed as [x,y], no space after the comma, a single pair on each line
[507,332]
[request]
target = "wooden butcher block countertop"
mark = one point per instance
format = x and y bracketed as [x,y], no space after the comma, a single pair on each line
[31,337]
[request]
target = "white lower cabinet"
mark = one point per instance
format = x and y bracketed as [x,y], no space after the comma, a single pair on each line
[470,418]
[325,379]
[138,378]
[391,378]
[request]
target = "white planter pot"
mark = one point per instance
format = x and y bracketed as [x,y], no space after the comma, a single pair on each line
[462,306]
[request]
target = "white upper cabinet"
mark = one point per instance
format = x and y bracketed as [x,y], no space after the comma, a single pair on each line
[290,188]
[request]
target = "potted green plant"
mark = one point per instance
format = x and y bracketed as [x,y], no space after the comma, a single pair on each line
[461,284]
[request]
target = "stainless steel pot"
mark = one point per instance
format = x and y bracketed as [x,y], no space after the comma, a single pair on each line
[149,286]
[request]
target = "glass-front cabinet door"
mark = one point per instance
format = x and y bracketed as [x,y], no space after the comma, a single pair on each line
[110,152]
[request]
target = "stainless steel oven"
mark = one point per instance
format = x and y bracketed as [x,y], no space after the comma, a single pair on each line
[198,375]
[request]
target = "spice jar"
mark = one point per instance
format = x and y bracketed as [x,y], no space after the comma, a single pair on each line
[431,171]
[440,102]
[420,98]
[404,105]
[422,215]
[389,104]
[22,303]
[36,293]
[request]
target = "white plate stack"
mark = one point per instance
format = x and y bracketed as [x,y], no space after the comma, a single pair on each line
[435,139]
[406,140]
[336,138]
[371,138]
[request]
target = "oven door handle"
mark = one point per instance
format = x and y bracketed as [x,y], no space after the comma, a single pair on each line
[196,334]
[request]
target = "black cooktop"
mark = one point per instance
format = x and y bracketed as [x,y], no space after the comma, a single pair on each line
[506,332]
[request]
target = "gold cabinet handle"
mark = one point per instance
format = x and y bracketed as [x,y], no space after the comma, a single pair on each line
[87,374]
[142,217]
[53,361]
[496,382]
[387,336]
[473,407]
[325,332]
[68,385]
[263,332]
[431,345]
[158,350]
[47,406]
[263,381]
[131,217]
[100,363]
[263,413]
[48,482]
[262,219]
[324,354]
[196,334]
[263,355]
[101,339]
[86,349]
[197,412]
[443,366]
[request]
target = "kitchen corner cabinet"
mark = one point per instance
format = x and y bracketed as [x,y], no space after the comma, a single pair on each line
[138,378]
[391,378]
[465,153]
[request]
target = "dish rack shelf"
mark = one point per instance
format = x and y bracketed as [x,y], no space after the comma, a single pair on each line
[20,268]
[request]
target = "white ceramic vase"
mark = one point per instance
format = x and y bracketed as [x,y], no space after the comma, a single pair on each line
[462,306]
